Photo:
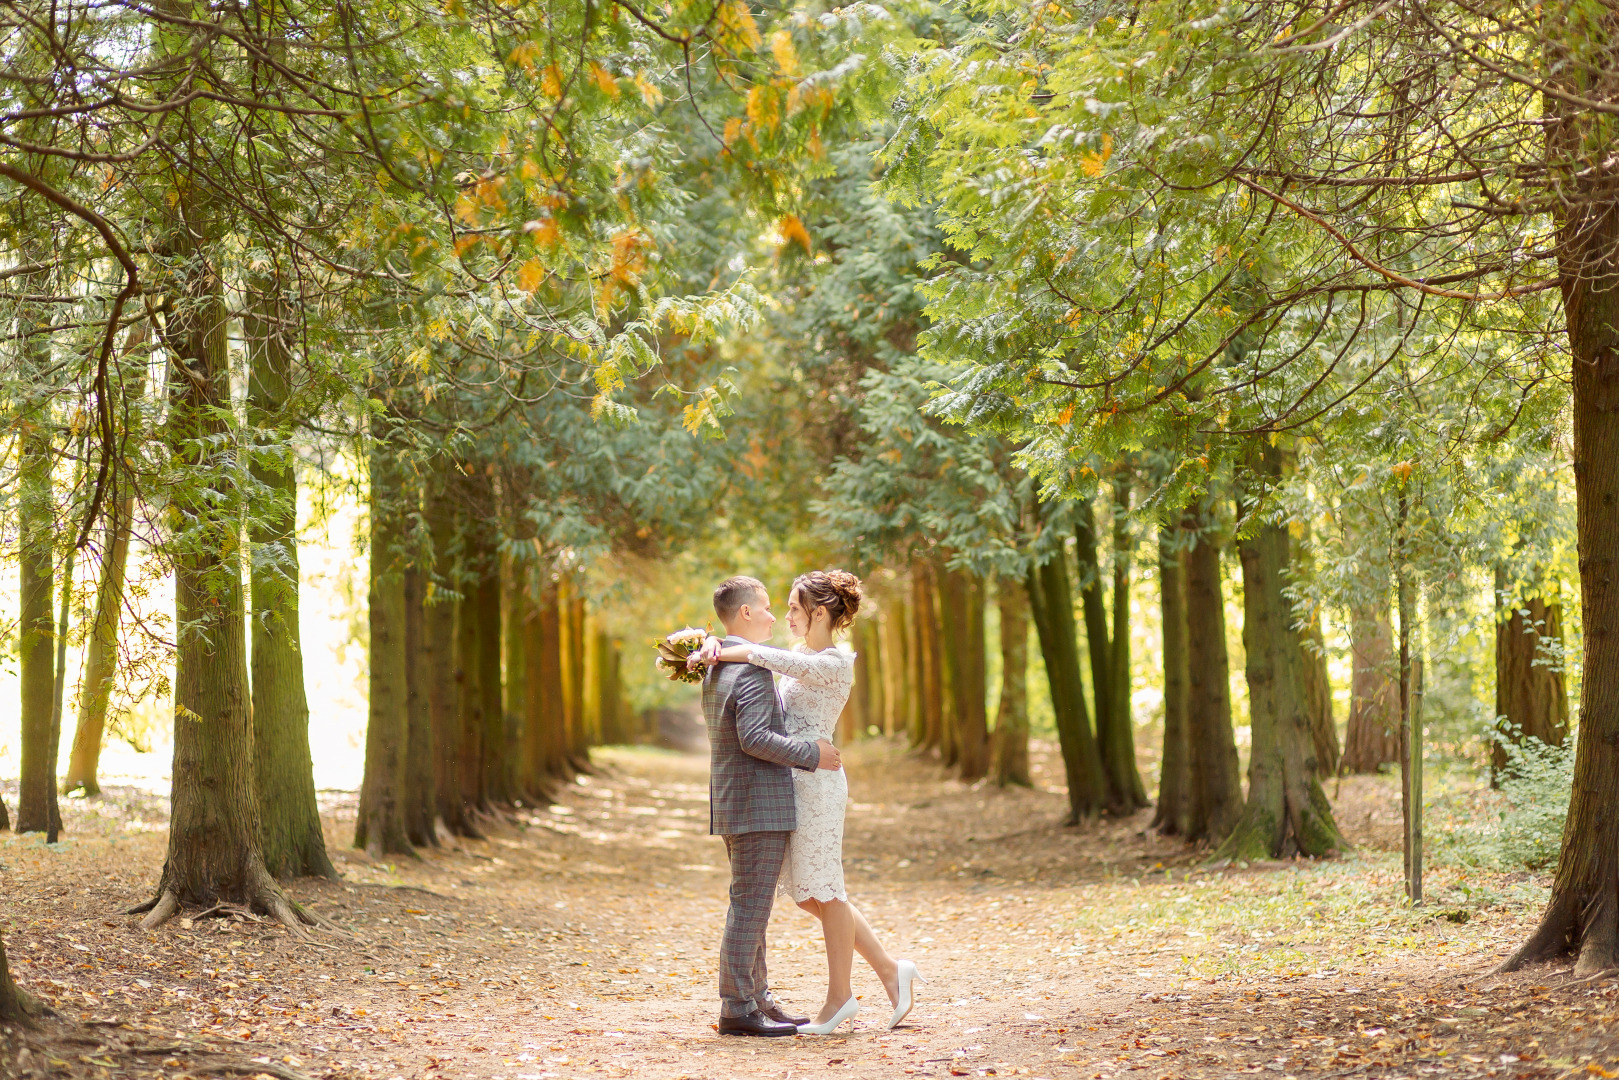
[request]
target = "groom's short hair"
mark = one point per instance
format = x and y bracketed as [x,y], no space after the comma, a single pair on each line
[733,593]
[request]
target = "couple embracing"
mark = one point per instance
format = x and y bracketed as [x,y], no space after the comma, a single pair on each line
[777,794]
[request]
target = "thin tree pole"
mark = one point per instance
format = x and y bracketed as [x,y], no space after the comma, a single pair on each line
[1410,729]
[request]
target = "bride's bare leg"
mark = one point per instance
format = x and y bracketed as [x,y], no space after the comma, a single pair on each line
[867,945]
[838,927]
[872,951]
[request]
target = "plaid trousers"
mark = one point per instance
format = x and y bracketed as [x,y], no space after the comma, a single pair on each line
[756,859]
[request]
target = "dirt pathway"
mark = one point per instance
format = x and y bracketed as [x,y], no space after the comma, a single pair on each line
[580,941]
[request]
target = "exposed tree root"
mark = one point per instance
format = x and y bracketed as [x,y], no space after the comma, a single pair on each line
[161,911]
[264,898]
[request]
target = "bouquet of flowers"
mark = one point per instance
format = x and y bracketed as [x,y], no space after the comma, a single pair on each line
[673,651]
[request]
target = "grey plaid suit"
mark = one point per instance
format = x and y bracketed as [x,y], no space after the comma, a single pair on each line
[750,799]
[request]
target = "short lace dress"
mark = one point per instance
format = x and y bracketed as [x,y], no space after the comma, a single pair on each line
[814,687]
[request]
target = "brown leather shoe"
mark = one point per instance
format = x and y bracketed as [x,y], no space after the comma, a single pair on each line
[757,1024]
[779,1015]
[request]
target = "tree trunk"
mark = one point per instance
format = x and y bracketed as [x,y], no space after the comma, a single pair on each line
[469,706]
[1009,754]
[289,828]
[441,659]
[420,798]
[1411,741]
[964,624]
[214,826]
[930,673]
[1287,812]
[915,673]
[1118,746]
[101,655]
[1372,738]
[573,615]
[1530,701]
[17,1006]
[899,690]
[1318,696]
[865,699]
[1583,911]
[1051,602]
[101,659]
[538,695]
[379,827]
[1217,781]
[1175,783]
[36,645]
[514,610]
[1097,646]
[553,708]
[59,682]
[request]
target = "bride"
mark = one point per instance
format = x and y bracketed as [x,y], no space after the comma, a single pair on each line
[816,679]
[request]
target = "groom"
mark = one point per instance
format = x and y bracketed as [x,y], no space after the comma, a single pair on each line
[750,794]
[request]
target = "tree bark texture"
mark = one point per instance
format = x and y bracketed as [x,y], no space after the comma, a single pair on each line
[17,1006]
[574,614]
[1287,812]
[441,657]
[486,592]
[899,695]
[289,829]
[553,709]
[962,615]
[1217,781]
[1096,635]
[514,614]
[36,644]
[1009,755]
[420,788]
[1530,701]
[536,748]
[1051,602]
[929,663]
[1175,783]
[214,826]
[1118,745]
[1582,914]
[101,653]
[379,827]
[1318,696]
[1372,736]
[866,698]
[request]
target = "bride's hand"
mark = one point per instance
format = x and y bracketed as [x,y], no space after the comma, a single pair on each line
[708,655]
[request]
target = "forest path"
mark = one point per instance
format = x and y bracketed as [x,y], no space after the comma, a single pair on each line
[580,941]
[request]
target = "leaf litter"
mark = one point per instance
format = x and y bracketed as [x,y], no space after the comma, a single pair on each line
[580,940]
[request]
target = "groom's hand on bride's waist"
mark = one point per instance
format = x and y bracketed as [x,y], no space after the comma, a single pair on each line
[830,758]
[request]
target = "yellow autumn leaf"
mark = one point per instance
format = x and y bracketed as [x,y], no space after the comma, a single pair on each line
[543,231]
[781,47]
[736,25]
[531,275]
[792,231]
[762,107]
[604,80]
[551,82]
[1091,162]
[523,55]
[651,96]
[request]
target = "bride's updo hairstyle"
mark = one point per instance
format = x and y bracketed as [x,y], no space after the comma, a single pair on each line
[838,591]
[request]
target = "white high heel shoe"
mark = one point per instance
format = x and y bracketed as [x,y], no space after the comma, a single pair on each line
[849,1011]
[907,975]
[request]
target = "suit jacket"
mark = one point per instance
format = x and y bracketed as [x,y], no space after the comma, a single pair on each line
[749,786]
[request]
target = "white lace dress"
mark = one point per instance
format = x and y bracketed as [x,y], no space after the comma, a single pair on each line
[814,687]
